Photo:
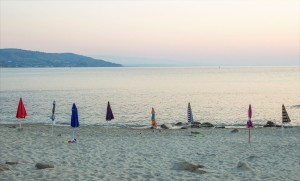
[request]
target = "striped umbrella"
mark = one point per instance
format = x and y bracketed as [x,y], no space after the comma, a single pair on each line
[190,114]
[285,116]
[154,125]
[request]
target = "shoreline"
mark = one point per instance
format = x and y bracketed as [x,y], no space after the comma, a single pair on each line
[174,127]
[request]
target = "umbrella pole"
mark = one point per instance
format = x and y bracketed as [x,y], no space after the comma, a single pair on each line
[20,124]
[282,130]
[73,133]
[249,135]
[52,129]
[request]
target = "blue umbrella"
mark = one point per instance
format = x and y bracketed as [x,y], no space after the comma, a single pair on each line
[74,118]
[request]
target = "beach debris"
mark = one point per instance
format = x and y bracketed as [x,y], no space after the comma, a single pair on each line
[271,124]
[3,167]
[12,162]
[195,126]
[186,166]
[207,124]
[234,131]
[44,165]
[243,166]
[179,124]
[13,126]
[185,127]
[70,141]
[59,135]
[196,123]
[166,126]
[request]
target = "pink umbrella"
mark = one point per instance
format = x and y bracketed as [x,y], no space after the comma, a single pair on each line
[249,122]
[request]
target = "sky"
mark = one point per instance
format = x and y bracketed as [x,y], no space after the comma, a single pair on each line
[166,33]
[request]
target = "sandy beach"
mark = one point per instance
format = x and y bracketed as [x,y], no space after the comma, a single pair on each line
[141,154]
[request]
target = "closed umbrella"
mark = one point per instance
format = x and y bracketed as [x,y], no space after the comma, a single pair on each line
[53,115]
[249,122]
[154,125]
[190,114]
[285,119]
[109,113]
[21,112]
[74,118]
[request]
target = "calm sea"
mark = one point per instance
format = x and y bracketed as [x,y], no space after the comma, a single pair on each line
[217,95]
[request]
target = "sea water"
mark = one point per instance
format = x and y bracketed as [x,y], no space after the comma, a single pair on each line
[220,95]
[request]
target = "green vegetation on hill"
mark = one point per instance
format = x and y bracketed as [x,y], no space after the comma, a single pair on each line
[25,58]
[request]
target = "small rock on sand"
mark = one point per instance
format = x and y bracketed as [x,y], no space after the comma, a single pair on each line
[179,124]
[243,166]
[13,126]
[12,162]
[189,167]
[44,165]
[234,131]
[166,126]
[195,126]
[3,167]
[207,124]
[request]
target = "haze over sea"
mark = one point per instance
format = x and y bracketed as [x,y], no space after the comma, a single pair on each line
[217,95]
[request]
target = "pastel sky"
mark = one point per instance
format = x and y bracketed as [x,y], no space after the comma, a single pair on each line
[132,32]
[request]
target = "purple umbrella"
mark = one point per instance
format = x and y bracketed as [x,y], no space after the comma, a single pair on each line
[249,122]
[109,113]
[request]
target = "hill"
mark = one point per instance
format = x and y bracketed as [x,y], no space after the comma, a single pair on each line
[25,58]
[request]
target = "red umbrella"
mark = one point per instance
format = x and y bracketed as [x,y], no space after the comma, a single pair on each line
[21,112]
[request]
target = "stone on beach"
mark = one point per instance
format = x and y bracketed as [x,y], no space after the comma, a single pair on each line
[243,166]
[189,167]
[195,126]
[196,123]
[44,165]
[207,124]
[234,131]
[12,162]
[179,124]
[270,124]
[166,126]
[13,126]
[3,167]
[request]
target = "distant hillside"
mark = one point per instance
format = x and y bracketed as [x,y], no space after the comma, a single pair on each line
[25,58]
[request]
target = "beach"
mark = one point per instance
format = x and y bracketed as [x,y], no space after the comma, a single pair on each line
[109,153]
